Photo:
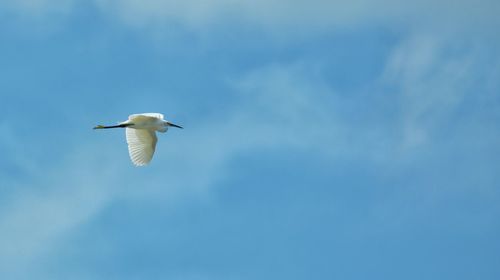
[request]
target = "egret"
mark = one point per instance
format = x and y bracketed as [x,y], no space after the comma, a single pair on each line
[140,130]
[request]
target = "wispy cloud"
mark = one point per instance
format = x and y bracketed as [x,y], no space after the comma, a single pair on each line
[318,14]
[432,78]
[286,106]
[49,204]
[56,199]
[278,105]
[277,15]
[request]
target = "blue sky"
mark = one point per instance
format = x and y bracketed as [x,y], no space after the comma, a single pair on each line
[322,140]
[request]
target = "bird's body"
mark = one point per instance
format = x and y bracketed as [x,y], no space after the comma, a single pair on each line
[151,121]
[140,130]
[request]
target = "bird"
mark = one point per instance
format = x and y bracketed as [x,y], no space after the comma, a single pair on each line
[140,131]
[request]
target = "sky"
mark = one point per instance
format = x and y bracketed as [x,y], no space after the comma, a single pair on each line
[322,139]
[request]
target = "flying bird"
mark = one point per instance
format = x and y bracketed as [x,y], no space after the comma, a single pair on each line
[140,130]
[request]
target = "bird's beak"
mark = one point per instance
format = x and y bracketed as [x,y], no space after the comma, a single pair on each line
[174,125]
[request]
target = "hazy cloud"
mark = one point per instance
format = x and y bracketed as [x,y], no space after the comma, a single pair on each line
[432,78]
[427,78]
[304,15]
[278,16]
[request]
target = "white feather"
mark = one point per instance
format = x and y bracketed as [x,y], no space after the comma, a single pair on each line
[141,145]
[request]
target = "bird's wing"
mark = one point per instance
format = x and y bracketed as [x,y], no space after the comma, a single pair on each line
[145,117]
[141,145]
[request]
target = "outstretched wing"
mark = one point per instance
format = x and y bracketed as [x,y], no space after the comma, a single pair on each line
[141,145]
[145,117]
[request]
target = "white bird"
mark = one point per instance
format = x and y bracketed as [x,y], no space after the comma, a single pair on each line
[140,130]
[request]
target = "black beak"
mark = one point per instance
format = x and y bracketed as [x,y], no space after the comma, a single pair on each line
[174,125]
